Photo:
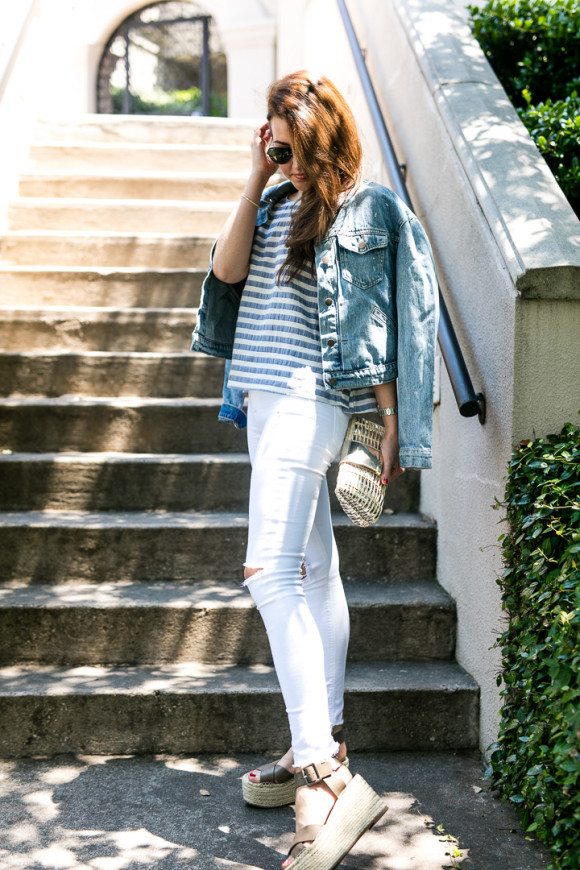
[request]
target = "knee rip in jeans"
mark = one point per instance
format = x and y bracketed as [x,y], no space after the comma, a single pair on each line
[249,573]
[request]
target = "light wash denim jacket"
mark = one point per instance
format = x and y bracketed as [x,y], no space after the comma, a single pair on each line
[377,307]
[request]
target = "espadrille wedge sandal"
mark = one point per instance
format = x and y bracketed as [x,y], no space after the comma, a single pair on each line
[356,809]
[277,786]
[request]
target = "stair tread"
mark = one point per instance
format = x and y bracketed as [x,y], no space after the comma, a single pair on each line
[176,519]
[100,271]
[122,235]
[95,311]
[209,595]
[130,147]
[115,457]
[194,678]
[104,354]
[132,174]
[101,125]
[104,401]
[63,202]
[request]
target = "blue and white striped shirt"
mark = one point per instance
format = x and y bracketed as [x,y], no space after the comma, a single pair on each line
[277,342]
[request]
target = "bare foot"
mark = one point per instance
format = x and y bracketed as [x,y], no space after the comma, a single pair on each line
[313,806]
[286,761]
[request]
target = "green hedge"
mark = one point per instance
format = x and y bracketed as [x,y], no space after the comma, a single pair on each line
[535,762]
[187,102]
[534,48]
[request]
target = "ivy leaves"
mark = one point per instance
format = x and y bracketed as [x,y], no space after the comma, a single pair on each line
[535,762]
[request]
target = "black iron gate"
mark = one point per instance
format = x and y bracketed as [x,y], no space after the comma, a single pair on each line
[159,61]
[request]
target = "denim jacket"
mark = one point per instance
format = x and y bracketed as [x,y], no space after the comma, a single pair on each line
[377,308]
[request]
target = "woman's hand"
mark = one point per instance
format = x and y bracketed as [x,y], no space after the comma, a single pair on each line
[261,164]
[390,453]
[386,396]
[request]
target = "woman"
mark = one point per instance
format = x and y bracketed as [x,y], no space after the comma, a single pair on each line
[322,292]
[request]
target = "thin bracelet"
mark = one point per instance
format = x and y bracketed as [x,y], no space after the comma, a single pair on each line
[251,201]
[386,412]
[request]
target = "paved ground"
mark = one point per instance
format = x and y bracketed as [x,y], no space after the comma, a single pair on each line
[173,813]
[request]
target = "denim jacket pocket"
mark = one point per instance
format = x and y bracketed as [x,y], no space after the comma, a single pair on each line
[361,258]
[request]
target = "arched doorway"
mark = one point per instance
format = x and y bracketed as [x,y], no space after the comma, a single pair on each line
[165,59]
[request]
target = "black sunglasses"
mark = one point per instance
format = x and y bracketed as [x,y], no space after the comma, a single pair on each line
[279,154]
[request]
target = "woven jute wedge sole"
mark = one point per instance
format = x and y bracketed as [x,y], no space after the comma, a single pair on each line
[357,809]
[271,794]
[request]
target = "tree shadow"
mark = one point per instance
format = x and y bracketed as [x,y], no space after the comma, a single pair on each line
[174,812]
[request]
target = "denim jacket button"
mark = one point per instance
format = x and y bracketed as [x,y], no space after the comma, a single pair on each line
[362,245]
[328,301]
[331,342]
[332,382]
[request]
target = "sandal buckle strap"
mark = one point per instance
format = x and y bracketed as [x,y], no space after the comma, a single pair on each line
[312,774]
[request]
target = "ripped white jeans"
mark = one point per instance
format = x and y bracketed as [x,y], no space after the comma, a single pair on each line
[292,442]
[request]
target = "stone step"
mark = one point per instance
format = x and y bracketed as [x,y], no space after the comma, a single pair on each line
[137,425]
[57,547]
[196,708]
[123,215]
[150,157]
[117,624]
[137,481]
[109,329]
[101,373]
[68,248]
[153,129]
[122,184]
[105,287]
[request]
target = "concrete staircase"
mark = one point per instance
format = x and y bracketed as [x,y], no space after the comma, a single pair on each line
[123,624]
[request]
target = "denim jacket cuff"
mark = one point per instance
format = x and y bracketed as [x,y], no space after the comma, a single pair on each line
[415,458]
[233,415]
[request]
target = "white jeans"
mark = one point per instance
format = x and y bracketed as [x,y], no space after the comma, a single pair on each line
[292,442]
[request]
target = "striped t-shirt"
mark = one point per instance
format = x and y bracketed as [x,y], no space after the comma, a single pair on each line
[277,342]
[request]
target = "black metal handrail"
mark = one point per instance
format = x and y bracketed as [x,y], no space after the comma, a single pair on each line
[469,402]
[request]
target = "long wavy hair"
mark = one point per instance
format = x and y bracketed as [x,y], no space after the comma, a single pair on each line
[327,147]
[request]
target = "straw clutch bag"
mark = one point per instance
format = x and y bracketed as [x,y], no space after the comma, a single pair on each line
[358,486]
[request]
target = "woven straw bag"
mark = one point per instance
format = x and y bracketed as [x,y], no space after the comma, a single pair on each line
[358,486]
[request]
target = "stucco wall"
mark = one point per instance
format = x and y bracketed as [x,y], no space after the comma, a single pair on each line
[498,224]
[20,42]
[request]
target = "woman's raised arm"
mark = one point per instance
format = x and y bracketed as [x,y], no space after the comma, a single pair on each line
[231,259]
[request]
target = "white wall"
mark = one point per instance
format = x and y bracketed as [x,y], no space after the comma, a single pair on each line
[20,41]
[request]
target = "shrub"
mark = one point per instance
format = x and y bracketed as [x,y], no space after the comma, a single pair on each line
[534,48]
[533,44]
[535,762]
[555,128]
[160,102]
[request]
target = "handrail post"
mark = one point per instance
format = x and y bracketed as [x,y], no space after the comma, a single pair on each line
[469,402]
